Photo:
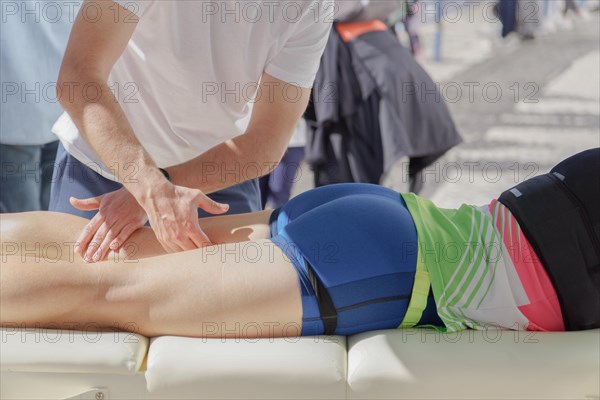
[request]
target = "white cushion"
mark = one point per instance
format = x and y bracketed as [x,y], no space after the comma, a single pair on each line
[422,364]
[307,367]
[49,350]
[54,386]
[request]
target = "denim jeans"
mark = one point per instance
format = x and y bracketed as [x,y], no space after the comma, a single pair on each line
[73,178]
[26,176]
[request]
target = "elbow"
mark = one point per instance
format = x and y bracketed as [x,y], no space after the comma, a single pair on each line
[271,161]
[254,152]
[64,87]
[72,86]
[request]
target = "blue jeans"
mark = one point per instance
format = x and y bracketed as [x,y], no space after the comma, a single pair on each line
[73,178]
[26,176]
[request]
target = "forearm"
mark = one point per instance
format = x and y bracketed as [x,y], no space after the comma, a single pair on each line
[82,89]
[104,126]
[231,162]
[253,154]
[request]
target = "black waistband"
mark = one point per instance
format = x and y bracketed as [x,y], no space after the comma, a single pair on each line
[557,225]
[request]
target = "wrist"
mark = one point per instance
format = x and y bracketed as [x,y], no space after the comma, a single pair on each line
[149,180]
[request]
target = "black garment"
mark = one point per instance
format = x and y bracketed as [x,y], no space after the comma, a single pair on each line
[371,105]
[559,213]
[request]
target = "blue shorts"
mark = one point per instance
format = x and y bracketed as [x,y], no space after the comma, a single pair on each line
[354,247]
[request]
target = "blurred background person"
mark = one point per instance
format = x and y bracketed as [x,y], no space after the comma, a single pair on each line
[528,18]
[33,38]
[405,20]
[411,25]
[507,13]
[519,16]
[571,5]
[372,104]
[276,187]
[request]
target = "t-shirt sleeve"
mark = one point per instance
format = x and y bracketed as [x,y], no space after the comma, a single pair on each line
[298,61]
[138,7]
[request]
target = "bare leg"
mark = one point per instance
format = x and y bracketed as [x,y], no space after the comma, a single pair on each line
[247,289]
[51,236]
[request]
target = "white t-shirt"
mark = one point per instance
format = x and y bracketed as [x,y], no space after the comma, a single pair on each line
[190,73]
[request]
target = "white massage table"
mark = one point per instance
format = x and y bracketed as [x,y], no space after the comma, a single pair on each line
[392,364]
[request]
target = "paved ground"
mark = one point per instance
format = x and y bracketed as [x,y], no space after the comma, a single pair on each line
[549,109]
[521,107]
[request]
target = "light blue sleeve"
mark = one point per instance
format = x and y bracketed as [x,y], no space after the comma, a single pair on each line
[33,39]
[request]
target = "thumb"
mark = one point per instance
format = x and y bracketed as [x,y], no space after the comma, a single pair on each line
[93,203]
[209,205]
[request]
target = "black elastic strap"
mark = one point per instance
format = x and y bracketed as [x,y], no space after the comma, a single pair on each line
[273,221]
[326,307]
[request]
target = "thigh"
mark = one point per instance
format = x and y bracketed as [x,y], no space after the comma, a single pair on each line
[35,234]
[360,251]
[20,178]
[247,289]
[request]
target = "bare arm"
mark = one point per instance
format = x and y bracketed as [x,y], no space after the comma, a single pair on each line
[93,48]
[171,208]
[256,152]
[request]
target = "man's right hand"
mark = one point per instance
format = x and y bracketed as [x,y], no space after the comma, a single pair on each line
[173,214]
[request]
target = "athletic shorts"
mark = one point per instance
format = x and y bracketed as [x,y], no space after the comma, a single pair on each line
[354,247]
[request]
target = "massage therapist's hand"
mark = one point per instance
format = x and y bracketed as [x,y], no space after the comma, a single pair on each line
[173,214]
[119,215]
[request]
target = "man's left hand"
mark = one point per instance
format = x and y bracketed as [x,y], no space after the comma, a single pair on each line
[119,215]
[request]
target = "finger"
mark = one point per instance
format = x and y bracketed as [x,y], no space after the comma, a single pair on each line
[104,247]
[169,246]
[122,237]
[166,241]
[187,244]
[93,203]
[197,235]
[88,233]
[209,205]
[90,255]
